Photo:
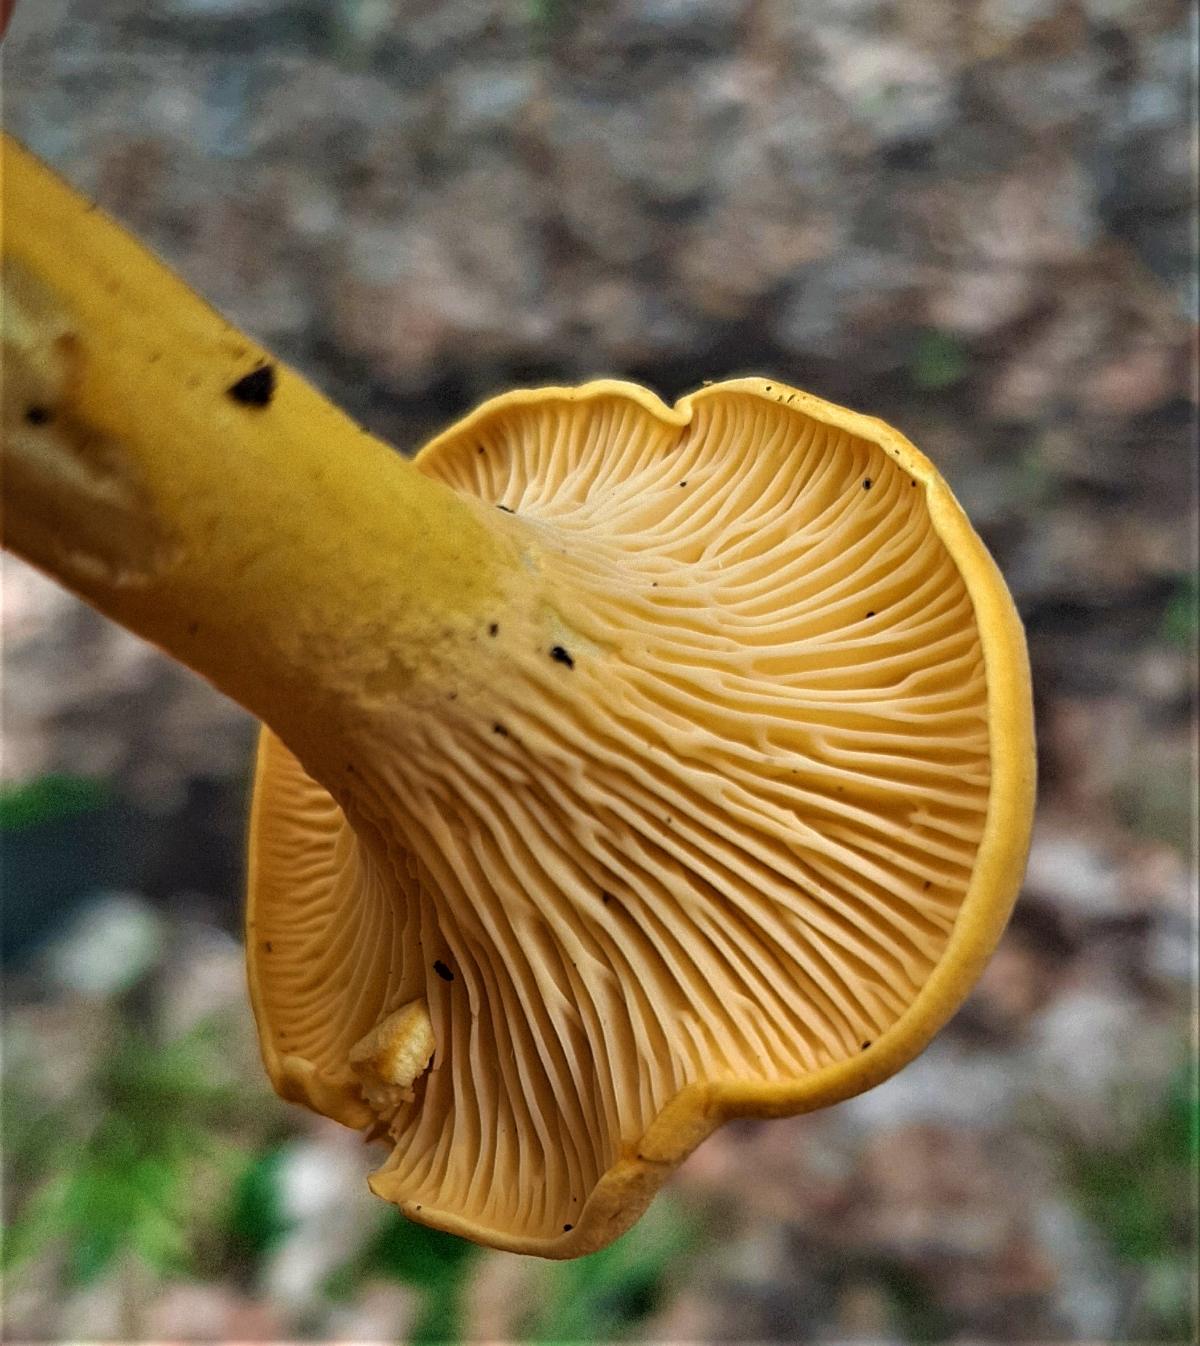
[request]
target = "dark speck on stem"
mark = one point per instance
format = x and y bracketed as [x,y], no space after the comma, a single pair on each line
[255,389]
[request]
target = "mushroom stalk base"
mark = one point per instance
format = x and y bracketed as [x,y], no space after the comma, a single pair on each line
[169,471]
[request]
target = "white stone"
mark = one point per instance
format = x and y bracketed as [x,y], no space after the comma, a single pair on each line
[946,1085]
[109,945]
[1088,1295]
[1072,874]
[323,1194]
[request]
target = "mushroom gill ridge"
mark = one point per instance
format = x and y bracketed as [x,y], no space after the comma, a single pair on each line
[706,837]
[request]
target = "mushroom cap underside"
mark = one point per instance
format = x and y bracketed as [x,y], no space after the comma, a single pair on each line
[737,843]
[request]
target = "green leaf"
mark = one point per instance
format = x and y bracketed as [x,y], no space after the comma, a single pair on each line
[602,1295]
[40,1223]
[255,1221]
[49,798]
[414,1254]
[119,1183]
[99,1214]
[426,1259]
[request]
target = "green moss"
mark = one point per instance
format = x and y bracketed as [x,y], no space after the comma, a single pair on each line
[1156,798]
[1141,1198]
[1181,620]
[938,360]
[914,1310]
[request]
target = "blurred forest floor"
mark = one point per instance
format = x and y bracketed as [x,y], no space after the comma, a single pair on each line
[974,218]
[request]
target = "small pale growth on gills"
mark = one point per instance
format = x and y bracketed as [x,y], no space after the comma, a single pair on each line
[392,1055]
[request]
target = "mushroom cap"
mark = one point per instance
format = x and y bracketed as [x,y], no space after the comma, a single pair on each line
[737,844]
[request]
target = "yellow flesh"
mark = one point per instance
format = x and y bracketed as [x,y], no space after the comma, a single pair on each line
[269,547]
[599,821]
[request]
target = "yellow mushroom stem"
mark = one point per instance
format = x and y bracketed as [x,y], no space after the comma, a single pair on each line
[173,474]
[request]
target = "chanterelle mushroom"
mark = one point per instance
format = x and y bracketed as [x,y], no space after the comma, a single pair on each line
[646,766]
